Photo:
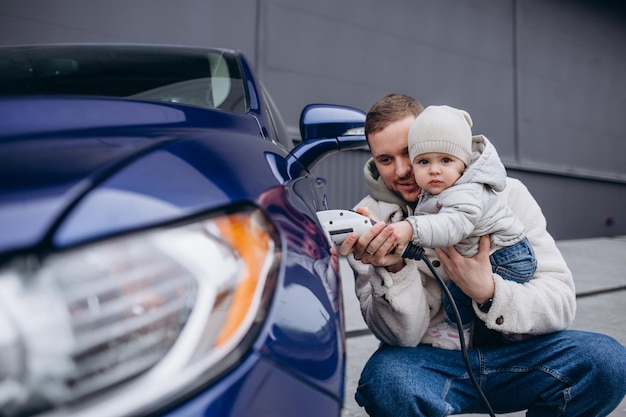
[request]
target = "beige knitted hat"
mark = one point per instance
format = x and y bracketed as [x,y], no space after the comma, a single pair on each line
[442,129]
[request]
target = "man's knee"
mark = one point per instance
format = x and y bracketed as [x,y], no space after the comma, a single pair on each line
[395,383]
[382,378]
[599,372]
[609,365]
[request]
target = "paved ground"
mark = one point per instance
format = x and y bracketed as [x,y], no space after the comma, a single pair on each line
[599,267]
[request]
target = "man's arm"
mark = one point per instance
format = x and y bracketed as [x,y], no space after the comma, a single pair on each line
[472,275]
[393,301]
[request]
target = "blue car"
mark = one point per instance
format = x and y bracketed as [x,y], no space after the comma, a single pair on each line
[160,252]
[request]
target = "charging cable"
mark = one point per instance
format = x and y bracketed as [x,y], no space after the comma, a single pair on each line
[414,252]
[340,223]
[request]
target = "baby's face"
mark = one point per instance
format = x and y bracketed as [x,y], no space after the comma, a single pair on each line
[434,172]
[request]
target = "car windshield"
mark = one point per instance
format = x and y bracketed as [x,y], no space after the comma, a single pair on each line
[204,78]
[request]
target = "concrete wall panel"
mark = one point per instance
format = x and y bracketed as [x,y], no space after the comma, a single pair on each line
[353,53]
[572,96]
[229,24]
[543,79]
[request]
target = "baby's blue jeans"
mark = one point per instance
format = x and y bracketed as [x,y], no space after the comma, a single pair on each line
[514,263]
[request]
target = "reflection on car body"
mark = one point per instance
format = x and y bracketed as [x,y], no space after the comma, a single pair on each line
[160,252]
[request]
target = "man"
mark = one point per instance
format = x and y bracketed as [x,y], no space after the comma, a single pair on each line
[556,372]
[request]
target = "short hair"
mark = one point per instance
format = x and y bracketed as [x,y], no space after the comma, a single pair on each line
[389,109]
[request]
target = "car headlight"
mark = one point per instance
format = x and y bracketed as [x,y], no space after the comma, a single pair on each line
[126,323]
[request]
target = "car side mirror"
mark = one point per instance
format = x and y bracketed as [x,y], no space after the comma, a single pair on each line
[325,129]
[319,121]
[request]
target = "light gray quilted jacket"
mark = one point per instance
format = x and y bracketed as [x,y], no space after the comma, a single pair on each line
[470,208]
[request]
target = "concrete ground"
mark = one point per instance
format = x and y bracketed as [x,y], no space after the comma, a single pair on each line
[599,268]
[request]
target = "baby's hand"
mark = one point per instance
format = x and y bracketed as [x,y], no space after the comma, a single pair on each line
[403,233]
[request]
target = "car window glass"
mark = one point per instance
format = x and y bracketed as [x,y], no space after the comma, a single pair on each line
[278,129]
[220,80]
[204,78]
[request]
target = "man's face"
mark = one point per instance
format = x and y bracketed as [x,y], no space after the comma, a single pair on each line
[389,148]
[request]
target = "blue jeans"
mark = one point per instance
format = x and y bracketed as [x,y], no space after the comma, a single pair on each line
[565,374]
[514,263]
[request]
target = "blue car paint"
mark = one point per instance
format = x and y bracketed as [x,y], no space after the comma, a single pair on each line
[258,387]
[77,169]
[61,167]
[179,173]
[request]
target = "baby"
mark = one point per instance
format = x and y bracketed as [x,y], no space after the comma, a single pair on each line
[459,175]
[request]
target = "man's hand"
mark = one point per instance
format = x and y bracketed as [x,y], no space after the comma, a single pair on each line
[472,275]
[374,246]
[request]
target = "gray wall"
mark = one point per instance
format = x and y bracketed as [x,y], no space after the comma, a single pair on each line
[543,79]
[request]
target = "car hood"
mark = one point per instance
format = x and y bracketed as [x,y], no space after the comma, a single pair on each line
[78,169]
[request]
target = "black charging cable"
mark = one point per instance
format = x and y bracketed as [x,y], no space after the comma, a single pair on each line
[415,252]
